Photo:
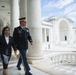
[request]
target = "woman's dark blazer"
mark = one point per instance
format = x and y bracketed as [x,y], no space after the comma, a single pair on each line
[6,48]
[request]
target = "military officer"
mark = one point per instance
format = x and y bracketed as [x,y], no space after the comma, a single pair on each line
[21,37]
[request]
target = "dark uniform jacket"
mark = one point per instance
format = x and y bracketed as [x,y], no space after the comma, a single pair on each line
[21,37]
[6,48]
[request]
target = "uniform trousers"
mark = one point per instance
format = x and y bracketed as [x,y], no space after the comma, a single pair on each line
[24,60]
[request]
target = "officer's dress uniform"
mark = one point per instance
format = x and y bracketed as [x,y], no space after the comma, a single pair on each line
[21,37]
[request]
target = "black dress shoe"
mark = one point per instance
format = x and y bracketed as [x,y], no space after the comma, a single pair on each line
[28,73]
[19,68]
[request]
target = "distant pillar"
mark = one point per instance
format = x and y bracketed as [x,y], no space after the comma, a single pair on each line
[14,14]
[45,36]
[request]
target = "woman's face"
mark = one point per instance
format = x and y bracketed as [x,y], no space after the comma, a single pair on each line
[7,32]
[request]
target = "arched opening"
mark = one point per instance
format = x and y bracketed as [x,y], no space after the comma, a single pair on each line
[63,30]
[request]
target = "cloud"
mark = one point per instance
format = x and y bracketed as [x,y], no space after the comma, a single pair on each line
[63,7]
[63,3]
[48,6]
[59,4]
[70,8]
[70,11]
[72,15]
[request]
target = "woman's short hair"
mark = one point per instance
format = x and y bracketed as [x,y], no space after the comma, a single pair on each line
[3,30]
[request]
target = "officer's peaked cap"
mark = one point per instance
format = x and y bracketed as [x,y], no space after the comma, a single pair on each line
[23,19]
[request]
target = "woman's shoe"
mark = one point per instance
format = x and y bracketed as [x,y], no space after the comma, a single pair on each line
[3,73]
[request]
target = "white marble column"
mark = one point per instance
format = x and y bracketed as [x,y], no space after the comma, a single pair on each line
[23,8]
[14,8]
[52,35]
[1,26]
[49,34]
[45,36]
[34,24]
[71,34]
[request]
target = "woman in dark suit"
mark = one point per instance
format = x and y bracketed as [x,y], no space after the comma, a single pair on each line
[6,42]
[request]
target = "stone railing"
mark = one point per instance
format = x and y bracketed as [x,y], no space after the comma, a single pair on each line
[65,58]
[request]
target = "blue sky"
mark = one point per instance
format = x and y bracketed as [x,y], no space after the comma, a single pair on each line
[51,8]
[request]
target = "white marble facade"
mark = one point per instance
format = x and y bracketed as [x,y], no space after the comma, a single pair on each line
[58,31]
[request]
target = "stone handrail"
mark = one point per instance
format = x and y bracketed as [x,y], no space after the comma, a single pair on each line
[65,58]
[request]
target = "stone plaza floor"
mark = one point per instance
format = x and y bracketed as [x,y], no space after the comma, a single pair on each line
[56,70]
[13,70]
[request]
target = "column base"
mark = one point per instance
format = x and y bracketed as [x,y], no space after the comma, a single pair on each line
[34,58]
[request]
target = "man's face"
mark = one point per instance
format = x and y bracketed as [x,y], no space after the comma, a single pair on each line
[22,23]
